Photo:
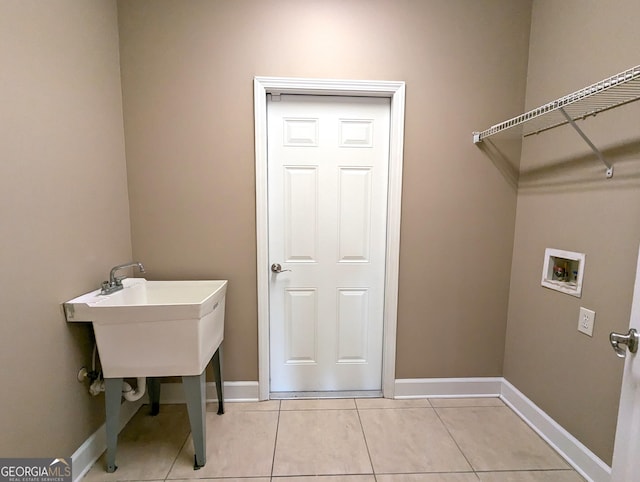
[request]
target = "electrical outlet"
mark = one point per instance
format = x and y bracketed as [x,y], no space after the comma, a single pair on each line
[586,321]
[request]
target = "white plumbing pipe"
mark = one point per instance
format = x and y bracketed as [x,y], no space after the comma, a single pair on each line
[132,395]
[96,387]
[128,392]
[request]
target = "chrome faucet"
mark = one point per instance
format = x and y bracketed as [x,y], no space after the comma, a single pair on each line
[115,282]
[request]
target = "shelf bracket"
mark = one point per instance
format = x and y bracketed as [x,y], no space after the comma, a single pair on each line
[609,171]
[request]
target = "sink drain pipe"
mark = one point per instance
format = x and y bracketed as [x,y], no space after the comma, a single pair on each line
[128,392]
[132,395]
[97,384]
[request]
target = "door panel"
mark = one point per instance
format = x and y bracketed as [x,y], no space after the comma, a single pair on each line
[301,319]
[626,464]
[327,189]
[300,214]
[300,132]
[353,325]
[354,211]
[356,133]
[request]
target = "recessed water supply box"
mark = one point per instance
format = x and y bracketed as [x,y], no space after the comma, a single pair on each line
[563,271]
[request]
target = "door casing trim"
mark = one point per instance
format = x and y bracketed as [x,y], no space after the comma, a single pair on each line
[354,88]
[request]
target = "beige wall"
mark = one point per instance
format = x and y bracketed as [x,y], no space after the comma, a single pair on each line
[63,210]
[565,202]
[187,72]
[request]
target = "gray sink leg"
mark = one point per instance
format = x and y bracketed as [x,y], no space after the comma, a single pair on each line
[153,389]
[195,393]
[217,373]
[113,397]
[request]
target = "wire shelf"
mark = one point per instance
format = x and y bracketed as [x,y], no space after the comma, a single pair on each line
[612,92]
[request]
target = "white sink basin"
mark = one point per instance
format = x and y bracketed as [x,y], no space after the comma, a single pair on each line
[154,328]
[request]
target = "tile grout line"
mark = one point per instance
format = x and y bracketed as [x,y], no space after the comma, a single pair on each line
[478,472]
[175,459]
[455,442]
[275,441]
[366,444]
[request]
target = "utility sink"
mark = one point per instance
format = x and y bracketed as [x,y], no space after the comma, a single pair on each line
[154,328]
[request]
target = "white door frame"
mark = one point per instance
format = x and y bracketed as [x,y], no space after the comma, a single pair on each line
[354,88]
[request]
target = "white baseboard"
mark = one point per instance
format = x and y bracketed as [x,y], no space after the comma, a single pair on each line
[448,387]
[92,448]
[572,450]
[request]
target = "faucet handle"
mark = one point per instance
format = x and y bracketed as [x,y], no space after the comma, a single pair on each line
[105,288]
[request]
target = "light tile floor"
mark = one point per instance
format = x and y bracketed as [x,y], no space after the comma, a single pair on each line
[345,440]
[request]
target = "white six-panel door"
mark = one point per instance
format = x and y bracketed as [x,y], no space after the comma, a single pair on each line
[327,188]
